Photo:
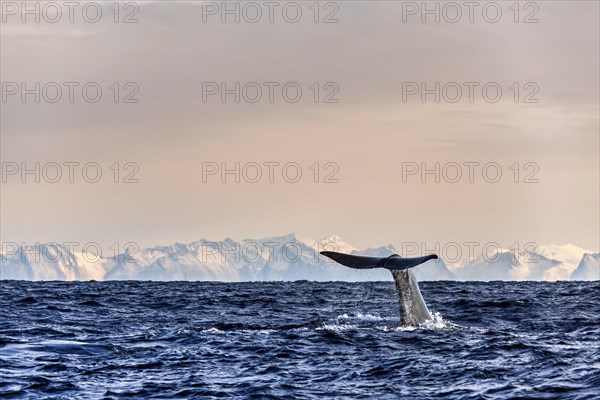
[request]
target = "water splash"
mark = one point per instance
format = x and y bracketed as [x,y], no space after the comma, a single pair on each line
[362,317]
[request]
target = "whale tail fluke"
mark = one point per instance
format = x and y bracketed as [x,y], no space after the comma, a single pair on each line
[413,309]
[393,262]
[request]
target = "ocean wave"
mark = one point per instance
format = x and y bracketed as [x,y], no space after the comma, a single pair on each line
[305,339]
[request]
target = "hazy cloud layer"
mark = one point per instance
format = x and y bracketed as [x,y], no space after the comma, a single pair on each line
[368,134]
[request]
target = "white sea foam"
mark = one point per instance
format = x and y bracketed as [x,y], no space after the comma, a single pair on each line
[436,323]
[336,327]
[212,330]
[359,320]
[362,317]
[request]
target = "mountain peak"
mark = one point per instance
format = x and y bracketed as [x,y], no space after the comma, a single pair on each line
[336,243]
[588,268]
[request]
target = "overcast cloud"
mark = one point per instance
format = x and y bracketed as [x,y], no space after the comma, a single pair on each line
[369,133]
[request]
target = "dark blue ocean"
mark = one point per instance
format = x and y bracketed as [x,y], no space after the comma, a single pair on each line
[299,340]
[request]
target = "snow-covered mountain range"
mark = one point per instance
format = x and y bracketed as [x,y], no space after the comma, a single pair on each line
[286,258]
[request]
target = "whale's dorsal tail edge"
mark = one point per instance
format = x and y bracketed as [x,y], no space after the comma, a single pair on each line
[393,262]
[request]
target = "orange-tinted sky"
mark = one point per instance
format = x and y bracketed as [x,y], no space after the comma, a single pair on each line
[366,61]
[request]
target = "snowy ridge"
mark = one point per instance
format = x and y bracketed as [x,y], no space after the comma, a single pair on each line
[285,258]
[547,263]
[587,270]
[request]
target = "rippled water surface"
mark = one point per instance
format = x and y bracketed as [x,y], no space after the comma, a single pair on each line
[297,340]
